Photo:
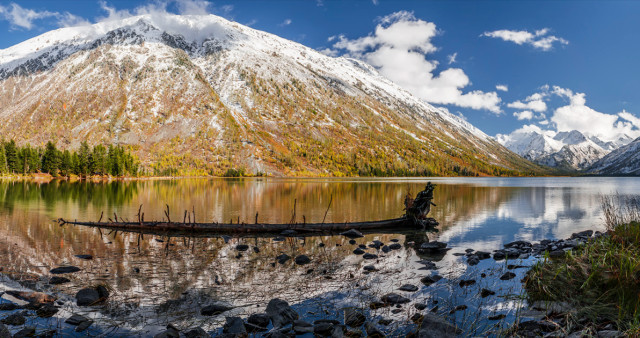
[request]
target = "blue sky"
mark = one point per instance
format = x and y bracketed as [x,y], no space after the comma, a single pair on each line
[565,65]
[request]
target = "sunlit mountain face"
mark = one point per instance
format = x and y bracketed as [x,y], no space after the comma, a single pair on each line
[201,95]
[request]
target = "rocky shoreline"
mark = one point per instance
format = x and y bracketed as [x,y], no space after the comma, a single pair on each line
[279,319]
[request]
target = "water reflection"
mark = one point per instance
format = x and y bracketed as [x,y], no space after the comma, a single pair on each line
[148,279]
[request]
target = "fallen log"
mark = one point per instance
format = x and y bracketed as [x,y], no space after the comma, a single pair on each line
[401,222]
[415,217]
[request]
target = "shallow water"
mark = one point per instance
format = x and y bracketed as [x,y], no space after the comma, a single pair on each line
[176,280]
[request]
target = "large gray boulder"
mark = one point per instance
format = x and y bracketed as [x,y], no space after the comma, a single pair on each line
[280,312]
[435,327]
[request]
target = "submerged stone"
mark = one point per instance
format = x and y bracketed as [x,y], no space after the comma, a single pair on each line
[215,309]
[408,288]
[197,332]
[235,326]
[15,319]
[507,276]
[369,256]
[394,298]
[26,332]
[302,260]
[56,280]
[486,293]
[428,280]
[353,233]
[64,269]
[87,297]
[354,317]
[283,258]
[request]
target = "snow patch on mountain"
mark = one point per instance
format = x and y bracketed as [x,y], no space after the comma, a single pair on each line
[622,161]
[567,149]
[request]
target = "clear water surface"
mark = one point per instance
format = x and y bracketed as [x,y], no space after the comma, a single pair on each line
[168,280]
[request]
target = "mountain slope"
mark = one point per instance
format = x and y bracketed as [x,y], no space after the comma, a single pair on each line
[622,161]
[202,94]
[570,150]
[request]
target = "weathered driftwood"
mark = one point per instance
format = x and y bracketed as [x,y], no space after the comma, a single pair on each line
[417,211]
[401,222]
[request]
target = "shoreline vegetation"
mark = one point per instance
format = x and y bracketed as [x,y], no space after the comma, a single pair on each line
[110,161]
[594,288]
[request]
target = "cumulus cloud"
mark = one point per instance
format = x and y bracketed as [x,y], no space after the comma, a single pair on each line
[184,7]
[23,18]
[502,88]
[535,102]
[524,115]
[535,105]
[574,114]
[578,116]
[399,47]
[539,39]
[193,7]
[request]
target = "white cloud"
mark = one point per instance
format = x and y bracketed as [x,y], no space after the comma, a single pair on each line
[375,2]
[576,115]
[524,115]
[184,7]
[535,105]
[503,88]
[20,17]
[286,22]
[452,58]
[398,49]
[329,52]
[69,20]
[539,39]
[534,102]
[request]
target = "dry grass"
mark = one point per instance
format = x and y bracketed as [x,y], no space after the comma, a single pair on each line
[602,278]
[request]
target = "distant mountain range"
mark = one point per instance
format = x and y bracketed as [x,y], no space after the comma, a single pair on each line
[200,94]
[573,150]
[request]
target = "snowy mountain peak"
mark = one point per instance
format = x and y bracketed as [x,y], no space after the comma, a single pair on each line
[570,137]
[229,96]
[569,149]
[622,161]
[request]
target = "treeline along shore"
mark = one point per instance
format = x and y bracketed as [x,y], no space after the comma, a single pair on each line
[101,160]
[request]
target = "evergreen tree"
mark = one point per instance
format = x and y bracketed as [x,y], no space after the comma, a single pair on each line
[50,159]
[3,160]
[66,163]
[75,164]
[34,160]
[11,153]
[84,158]
[99,160]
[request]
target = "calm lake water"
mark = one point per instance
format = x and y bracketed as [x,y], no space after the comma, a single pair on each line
[154,284]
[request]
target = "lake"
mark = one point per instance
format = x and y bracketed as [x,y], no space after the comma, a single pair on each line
[155,280]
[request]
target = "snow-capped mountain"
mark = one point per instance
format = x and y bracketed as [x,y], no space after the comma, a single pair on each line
[204,94]
[568,150]
[622,161]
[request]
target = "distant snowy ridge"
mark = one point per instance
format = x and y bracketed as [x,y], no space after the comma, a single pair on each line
[569,150]
[622,161]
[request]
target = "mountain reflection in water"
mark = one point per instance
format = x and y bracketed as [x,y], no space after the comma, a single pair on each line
[176,280]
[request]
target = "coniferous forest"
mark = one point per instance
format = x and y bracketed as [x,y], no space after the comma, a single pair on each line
[100,160]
